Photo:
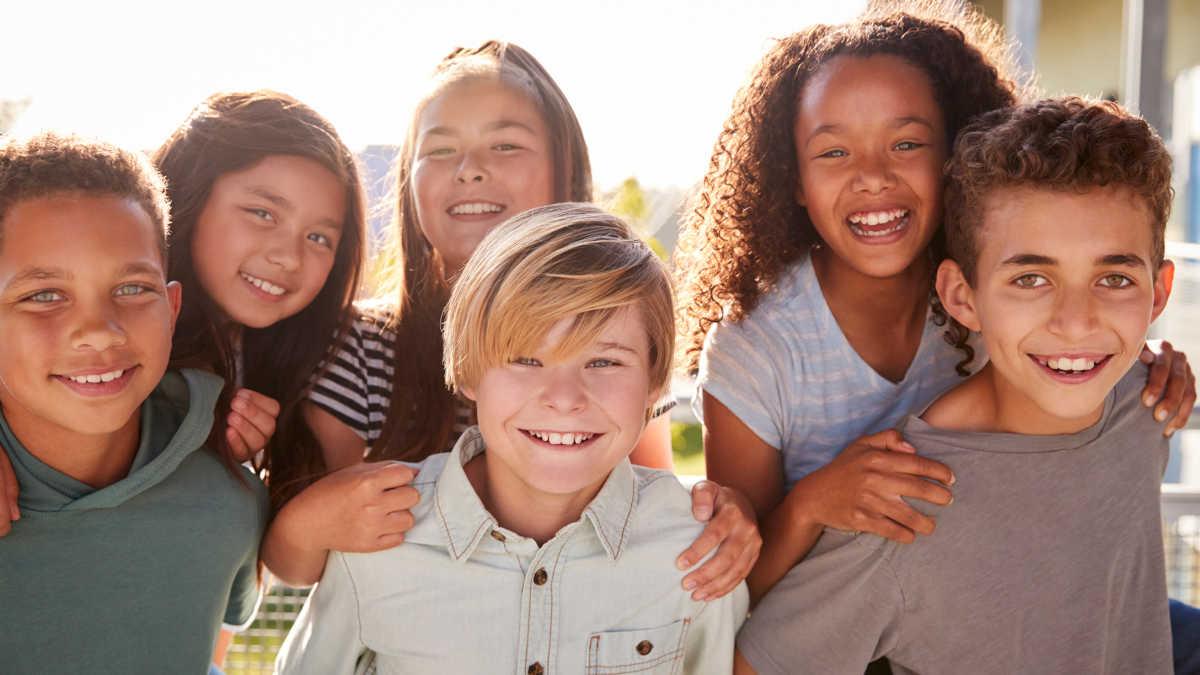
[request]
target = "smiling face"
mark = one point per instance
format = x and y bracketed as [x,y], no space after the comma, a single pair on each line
[266,239]
[870,144]
[558,427]
[1065,291]
[86,315]
[482,156]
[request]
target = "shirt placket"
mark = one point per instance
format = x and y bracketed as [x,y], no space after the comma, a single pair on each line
[540,607]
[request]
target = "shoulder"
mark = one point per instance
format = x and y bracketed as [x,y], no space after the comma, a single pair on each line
[782,319]
[664,510]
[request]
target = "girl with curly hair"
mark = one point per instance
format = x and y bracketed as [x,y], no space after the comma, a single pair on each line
[807,267]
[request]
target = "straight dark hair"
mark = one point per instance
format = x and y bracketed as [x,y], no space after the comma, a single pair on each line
[421,415]
[230,132]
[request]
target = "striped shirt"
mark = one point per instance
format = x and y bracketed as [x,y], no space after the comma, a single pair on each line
[788,373]
[357,386]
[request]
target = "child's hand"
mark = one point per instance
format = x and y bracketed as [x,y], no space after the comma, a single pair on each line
[9,511]
[732,530]
[251,423]
[1170,380]
[358,509]
[861,489]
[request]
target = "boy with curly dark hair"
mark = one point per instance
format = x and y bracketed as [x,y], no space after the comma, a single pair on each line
[1051,558]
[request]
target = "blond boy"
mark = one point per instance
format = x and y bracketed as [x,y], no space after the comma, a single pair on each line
[538,547]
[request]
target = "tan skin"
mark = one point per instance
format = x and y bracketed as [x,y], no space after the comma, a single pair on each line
[869,138]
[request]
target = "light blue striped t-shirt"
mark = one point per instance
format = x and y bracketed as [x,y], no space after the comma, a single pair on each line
[789,374]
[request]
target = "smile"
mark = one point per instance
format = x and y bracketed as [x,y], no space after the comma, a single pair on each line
[1072,369]
[474,209]
[876,224]
[561,437]
[263,285]
[98,384]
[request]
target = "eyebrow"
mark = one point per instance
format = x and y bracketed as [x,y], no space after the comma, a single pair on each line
[38,274]
[133,269]
[1123,259]
[896,124]
[617,346]
[498,125]
[286,204]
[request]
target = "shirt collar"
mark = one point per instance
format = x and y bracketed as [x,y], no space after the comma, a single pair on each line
[466,522]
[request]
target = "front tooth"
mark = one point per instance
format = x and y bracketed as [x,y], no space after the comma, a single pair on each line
[109,377]
[555,438]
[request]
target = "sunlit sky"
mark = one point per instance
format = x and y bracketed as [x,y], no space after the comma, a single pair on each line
[650,81]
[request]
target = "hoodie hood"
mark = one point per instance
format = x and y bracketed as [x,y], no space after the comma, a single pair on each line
[175,422]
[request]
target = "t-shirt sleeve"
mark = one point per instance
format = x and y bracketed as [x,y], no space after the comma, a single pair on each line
[246,592]
[325,640]
[835,612]
[342,390]
[744,365]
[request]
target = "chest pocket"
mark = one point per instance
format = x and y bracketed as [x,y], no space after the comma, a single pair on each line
[649,650]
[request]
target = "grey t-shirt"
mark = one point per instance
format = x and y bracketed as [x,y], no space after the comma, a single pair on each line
[1050,560]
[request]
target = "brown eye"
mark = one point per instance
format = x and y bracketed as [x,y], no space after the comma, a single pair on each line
[1030,281]
[1116,281]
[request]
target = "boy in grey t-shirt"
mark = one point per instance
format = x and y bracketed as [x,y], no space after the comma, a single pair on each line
[1050,559]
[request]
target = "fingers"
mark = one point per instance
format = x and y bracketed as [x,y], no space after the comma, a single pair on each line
[714,533]
[1179,384]
[1160,371]
[1185,407]
[244,438]
[901,513]
[389,475]
[704,499]
[888,440]
[259,412]
[904,463]
[724,571]
[9,489]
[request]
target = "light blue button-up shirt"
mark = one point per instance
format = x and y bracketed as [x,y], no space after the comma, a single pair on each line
[464,595]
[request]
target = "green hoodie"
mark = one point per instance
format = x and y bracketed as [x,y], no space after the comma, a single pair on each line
[138,576]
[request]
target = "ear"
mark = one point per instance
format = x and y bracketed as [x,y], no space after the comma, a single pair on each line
[958,298]
[1162,287]
[799,194]
[469,392]
[175,298]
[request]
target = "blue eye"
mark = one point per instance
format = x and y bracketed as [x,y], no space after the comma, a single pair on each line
[42,297]
[131,289]
[602,363]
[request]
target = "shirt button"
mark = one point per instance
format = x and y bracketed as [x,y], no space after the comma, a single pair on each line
[540,576]
[536,669]
[497,535]
[644,647]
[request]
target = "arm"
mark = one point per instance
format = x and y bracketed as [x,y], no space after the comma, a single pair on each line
[224,639]
[861,490]
[341,445]
[654,447]
[361,508]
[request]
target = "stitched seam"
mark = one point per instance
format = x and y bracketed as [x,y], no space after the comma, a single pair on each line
[357,604]
[639,667]
[554,597]
[628,517]
[437,503]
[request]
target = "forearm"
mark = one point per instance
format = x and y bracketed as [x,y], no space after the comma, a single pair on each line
[289,554]
[789,532]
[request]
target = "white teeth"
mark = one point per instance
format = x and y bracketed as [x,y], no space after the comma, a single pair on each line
[561,438]
[475,208]
[264,285]
[96,378]
[1070,365]
[876,218]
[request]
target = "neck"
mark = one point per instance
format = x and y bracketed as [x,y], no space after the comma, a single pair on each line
[901,298]
[521,508]
[1016,413]
[98,460]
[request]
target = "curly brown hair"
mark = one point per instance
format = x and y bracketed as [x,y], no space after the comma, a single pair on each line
[745,227]
[1066,144]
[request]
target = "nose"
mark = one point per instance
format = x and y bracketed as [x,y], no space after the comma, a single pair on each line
[285,249]
[873,174]
[1075,314]
[98,329]
[564,391]
[471,169]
